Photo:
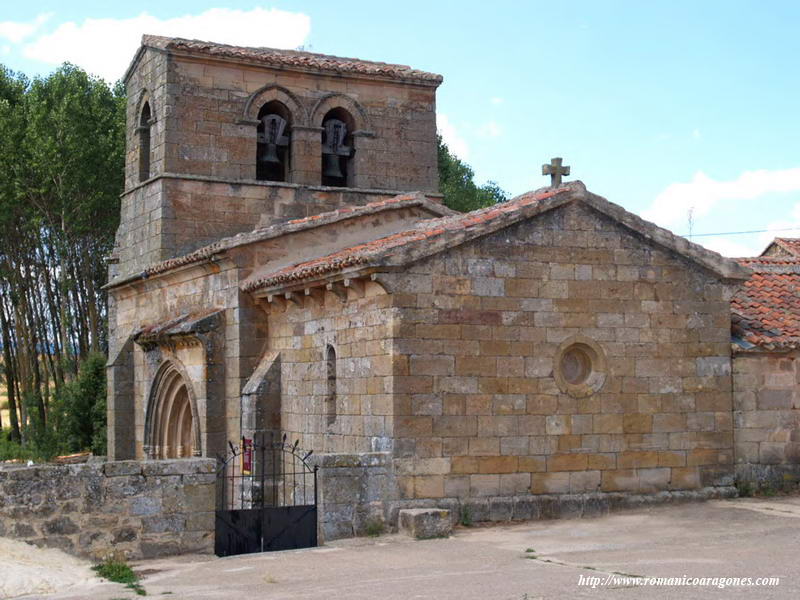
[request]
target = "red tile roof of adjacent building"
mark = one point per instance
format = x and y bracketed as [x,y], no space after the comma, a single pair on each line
[789,245]
[294,59]
[766,308]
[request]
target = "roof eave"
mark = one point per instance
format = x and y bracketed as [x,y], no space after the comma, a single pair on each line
[178,47]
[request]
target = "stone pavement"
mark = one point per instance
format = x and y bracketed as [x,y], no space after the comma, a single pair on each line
[722,538]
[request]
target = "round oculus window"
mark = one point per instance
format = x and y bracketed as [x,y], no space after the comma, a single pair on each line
[576,365]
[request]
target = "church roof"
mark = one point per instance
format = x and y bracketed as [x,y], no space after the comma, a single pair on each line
[435,235]
[402,201]
[290,59]
[790,246]
[766,308]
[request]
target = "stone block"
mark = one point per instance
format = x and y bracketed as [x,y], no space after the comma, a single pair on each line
[685,478]
[122,467]
[425,523]
[429,486]
[512,484]
[567,462]
[621,480]
[550,483]
[484,485]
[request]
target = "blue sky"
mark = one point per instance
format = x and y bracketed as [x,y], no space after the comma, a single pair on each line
[666,107]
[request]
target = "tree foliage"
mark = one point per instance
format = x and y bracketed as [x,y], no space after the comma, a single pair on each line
[81,408]
[61,173]
[456,182]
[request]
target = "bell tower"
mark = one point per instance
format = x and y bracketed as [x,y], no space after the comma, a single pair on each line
[224,139]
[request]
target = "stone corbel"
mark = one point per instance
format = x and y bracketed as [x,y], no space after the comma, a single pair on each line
[338,289]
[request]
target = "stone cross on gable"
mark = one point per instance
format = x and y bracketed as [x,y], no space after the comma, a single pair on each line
[555,170]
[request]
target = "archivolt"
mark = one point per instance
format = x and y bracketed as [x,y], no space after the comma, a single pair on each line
[271,92]
[172,425]
[336,100]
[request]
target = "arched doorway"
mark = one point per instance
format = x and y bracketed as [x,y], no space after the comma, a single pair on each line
[171,428]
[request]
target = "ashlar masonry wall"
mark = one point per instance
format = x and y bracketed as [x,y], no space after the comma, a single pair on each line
[125,509]
[360,332]
[478,410]
[766,417]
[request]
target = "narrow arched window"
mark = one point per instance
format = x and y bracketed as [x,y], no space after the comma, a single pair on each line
[337,148]
[144,142]
[273,154]
[330,389]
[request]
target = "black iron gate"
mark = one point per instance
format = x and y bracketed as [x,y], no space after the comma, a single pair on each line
[266,498]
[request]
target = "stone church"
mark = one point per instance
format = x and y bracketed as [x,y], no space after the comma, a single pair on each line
[285,264]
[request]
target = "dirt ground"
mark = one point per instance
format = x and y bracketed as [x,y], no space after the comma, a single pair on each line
[606,557]
[25,569]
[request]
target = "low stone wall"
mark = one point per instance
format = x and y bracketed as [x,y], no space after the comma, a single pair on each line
[129,509]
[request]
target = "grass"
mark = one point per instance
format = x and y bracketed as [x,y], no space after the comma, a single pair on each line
[465,518]
[120,572]
[374,528]
[748,489]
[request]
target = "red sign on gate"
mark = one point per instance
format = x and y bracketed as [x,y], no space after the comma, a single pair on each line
[247,456]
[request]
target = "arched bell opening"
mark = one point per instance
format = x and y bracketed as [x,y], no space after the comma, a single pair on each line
[337,148]
[273,155]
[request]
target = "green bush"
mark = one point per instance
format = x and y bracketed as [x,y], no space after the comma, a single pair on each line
[10,450]
[76,419]
[81,408]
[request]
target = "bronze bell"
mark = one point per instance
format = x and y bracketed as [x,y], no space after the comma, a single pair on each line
[270,155]
[332,167]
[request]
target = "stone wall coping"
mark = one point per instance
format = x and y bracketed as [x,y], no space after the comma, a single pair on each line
[121,468]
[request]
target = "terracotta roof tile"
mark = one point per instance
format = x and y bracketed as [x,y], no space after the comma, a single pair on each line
[434,235]
[206,252]
[766,308]
[295,59]
[370,252]
[790,246]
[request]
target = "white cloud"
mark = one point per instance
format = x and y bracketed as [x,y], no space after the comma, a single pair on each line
[15,32]
[490,129]
[496,100]
[702,194]
[789,227]
[696,135]
[728,247]
[105,47]
[451,137]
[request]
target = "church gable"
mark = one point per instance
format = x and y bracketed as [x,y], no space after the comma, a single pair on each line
[428,238]
[563,354]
